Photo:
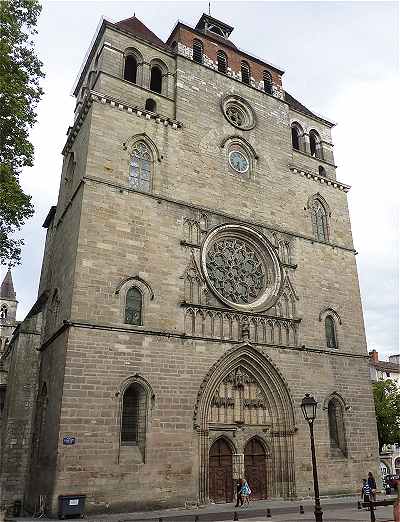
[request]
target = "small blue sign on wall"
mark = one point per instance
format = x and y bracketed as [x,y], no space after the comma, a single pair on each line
[68,441]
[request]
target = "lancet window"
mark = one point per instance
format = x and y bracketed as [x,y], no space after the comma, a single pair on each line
[133,306]
[141,166]
[336,425]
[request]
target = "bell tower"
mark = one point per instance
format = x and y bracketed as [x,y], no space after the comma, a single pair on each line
[8,310]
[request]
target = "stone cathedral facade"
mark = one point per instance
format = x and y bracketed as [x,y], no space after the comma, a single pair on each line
[199,278]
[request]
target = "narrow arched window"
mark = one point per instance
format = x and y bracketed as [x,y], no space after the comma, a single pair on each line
[245,69]
[174,46]
[150,105]
[141,166]
[3,312]
[198,51]
[156,79]
[330,332]
[222,62]
[319,221]
[295,137]
[130,415]
[133,307]
[336,425]
[130,69]
[321,171]
[267,78]
[315,144]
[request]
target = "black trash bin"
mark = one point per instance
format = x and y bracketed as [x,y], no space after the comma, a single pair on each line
[16,510]
[71,506]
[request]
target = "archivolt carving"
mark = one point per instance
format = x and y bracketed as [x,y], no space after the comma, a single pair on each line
[244,388]
[335,395]
[140,280]
[329,311]
[253,363]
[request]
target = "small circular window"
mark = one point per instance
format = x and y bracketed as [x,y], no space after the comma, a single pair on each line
[238,161]
[238,112]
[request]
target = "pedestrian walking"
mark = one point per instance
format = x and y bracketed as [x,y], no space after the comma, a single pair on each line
[239,496]
[365,491]
[246,492]
[372,484]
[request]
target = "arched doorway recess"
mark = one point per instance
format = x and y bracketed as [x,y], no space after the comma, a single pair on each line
[220,472]
[255,468]
[242,397]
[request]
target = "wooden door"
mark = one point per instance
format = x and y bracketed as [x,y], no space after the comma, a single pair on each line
[255,469]
[220,483]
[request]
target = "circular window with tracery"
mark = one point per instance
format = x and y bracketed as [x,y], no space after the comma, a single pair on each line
[241,268]
[238,112]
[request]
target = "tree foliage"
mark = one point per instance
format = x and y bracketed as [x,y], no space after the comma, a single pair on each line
[20,92]
[387,410]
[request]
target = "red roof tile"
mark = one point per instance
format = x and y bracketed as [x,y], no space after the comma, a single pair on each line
[134,26]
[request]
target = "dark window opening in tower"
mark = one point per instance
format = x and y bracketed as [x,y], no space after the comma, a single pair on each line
[321,171]
[330,332]
[313,145]
[3,312]
[156,79]
[267,82]
[174,46]
[295,138]
[150,105]
[245,68]
[130,70]
[222,62]
[197,51]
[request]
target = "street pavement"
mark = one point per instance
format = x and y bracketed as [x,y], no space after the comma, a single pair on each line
[335,510]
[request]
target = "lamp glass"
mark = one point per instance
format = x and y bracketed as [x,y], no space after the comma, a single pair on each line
[309,408]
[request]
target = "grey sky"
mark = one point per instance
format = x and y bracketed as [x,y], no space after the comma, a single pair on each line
[341,60]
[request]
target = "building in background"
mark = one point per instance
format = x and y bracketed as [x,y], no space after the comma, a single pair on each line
[385,369]
[8,323]
[382,370]
[199,279]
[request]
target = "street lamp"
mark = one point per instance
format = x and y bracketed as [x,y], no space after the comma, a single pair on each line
[309,409]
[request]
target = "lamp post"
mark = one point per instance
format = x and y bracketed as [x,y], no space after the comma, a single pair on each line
[309,409]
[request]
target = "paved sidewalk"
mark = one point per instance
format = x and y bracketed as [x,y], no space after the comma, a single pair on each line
[342,509]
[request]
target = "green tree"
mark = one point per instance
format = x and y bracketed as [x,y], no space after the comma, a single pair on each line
[20,92]
[387,410]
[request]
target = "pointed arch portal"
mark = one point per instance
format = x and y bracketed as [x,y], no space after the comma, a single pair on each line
[245,423]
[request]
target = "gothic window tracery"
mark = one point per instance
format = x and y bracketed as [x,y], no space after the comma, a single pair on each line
[238,112]
[236,270]
[319,218]
[141,165]
[133,306]
[239,399]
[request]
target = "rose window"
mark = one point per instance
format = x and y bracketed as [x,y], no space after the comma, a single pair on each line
[238,112]
[235,115]
[236,270]
[241,267]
